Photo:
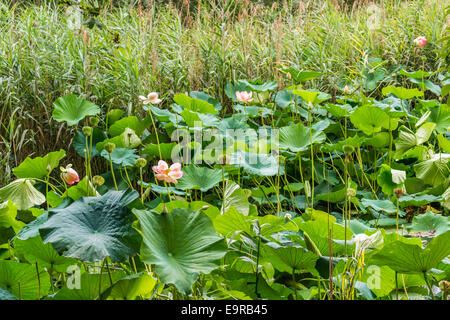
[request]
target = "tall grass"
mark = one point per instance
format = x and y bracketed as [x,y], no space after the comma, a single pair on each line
[163,48]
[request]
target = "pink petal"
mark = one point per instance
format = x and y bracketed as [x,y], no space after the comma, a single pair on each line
[162,165]
[176,174]
[160,176]
[176,166]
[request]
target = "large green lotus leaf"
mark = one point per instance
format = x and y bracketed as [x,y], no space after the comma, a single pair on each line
[259,86]
[406,140]
[6,295]
[379,205]
[258,164]
[411,258]
[133,286]
[202,178]
[235,197]
[369,119]
[31,230]
[131,122]
[253,111]
[72,109]
[79,142]
[211,211]
[301,76]
[444,143]
[11,273]
[37,167]
[113,115]
[430,222]
[441,116]
[297,137]
[195,105]
[290,259]
[312,96]
[121,156]
[206,97]
[89,286]
[8,213]
[386,177]
[338,146]
[379,140]
[424,132]
[163,115]
[402,93]
[181,244]
[285,98]
[381,280]
[22,193]
[337,194]
[166,150]
[418,200]
[317,231]
[433,171]
[93,228]
[194,119]
[35,251]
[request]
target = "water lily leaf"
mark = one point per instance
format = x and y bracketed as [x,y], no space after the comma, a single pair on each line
[433,171]
[402,93]
[93,228]
[12,273]
[297,138]
[259,164]
[79,142]
[290,258]
[72,109]
[121,156]
[22,193]
[129,288]
[37,167]
[181,244]
[34,250]
[411,258]
[430,222]
[202,178]
[369,119]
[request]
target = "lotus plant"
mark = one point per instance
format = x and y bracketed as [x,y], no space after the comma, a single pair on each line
[244,96]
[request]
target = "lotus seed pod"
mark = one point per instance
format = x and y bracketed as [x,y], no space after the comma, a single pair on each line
[351,192]
[94,121]
[348,149]
[223,159]
[110,147]
[399,192]
[98,181]
[141,162]
[444,285]
[87,131]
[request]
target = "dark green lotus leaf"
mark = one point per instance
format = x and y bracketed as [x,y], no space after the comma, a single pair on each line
[72,109]
[351,141]
[35,251]
[195,105]
[418,200]
[206,97]
[131,287]
[297,137]
[410,258]
[12,273]
[285,98]
[259,164]
[181,244]
[253,111]
[379,205]
[79,142]
[93,228]
[121,156]
[38,167]
[430,222]
[202,178]
[6,295]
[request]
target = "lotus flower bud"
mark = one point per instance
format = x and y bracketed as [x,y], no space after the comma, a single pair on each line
[223,159]
[110,147]
[94,121]
[141,162]
[98,181]
[87,131]
[287,217]
[69,175]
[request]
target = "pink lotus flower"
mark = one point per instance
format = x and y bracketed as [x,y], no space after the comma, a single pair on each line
[152,98]
[163,172]
[69,175]
[244,96]
[420,41]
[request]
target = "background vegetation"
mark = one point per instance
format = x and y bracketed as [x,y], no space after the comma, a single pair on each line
[132,48]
